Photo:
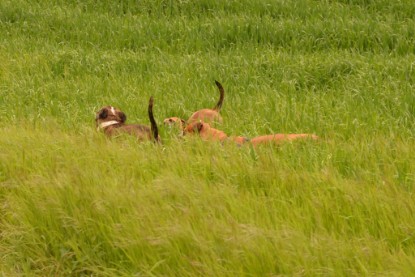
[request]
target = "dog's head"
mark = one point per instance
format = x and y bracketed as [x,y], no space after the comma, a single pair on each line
[194,128]
[240,140]
[174,122]
[205,131]
[108,116]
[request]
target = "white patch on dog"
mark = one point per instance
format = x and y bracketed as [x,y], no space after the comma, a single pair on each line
[113,110]
[106,124]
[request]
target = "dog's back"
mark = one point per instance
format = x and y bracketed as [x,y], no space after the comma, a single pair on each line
[279,138]
[205,115]
[141,132]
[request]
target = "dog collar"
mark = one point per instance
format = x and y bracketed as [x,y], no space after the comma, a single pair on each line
[106,124]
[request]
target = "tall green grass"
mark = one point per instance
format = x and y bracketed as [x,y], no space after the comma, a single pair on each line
[74,203]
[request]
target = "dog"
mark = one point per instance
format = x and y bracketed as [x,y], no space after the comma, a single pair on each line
[174,121]
[205,131]
[279,138]
[205,115]
[208,133]
[112,121]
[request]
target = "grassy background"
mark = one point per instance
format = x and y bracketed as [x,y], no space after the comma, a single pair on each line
[75,203]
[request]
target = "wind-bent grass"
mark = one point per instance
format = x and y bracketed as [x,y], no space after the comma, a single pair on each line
[85,205]
[75,203]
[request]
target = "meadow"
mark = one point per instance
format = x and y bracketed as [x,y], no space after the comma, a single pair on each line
[75,203]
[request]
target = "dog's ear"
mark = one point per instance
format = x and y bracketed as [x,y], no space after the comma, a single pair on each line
[183,122]
[122,116]
[103,114]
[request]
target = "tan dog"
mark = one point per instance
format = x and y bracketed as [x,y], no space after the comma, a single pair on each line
[279,138]
[205,115]
[206,132]
[112,121]
[175,121]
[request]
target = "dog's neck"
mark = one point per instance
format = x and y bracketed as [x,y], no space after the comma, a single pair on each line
[104,125]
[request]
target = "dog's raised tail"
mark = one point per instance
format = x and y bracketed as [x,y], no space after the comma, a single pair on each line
[222,95]
[154,129]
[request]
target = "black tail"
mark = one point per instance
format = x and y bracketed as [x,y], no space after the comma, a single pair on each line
[222,95]
[154,129]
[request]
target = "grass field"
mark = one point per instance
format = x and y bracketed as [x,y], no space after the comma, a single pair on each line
[74,203]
